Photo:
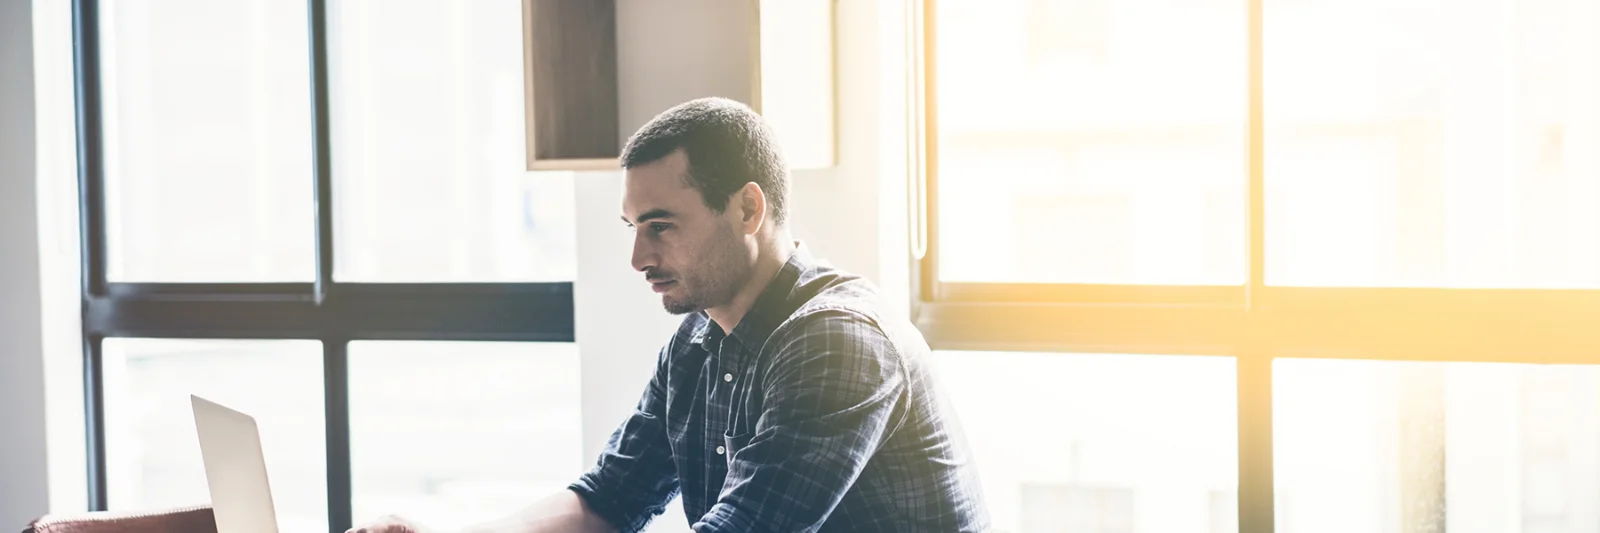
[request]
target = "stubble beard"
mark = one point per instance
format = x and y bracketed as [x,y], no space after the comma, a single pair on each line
[716,281]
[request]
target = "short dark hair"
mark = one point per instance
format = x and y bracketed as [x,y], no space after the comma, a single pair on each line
[727,145]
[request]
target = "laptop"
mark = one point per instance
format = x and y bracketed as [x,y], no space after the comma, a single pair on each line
[236,470]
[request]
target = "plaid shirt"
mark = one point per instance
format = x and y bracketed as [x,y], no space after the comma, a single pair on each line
[815,414]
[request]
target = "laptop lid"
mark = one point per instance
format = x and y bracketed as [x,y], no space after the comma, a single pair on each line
[236,470]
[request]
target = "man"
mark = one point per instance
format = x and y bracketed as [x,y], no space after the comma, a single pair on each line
[786,401]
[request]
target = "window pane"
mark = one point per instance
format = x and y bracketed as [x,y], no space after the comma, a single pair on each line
[1418,446]
[1078,144]
[455,433]
[428,141]
[152,451]
[1432,154]
[207,141]
[1100,443]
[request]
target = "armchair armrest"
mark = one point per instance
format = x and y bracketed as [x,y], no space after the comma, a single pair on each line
[177,520]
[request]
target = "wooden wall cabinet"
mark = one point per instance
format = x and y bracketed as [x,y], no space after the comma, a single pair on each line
[571,80]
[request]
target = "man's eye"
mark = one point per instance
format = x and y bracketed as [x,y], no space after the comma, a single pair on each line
[658,227]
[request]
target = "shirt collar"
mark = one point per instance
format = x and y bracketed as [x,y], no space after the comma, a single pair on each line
[767,313]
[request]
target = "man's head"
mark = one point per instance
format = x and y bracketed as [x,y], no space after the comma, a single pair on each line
[705,188]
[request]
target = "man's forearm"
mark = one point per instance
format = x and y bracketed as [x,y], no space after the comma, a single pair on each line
[561,512]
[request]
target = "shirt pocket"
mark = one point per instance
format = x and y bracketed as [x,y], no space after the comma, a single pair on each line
[734,443]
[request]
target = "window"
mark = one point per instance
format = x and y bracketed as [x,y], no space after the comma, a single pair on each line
[1448,444]
[304,211]
[1386,226]
[1128,443]
[152,450]
[1067,155]
[1455,155]
[435,192]
[457,433]
[229,123]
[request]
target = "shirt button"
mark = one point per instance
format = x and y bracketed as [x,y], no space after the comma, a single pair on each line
[721,450]
[728,378]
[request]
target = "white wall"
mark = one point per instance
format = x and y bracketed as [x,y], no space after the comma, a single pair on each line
[852,214]
[672,53]
[620,324]
[24,484]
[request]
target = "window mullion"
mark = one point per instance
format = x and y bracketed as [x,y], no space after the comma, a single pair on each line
[1256,487]
[1256,502]
[92,232]
[321,149]
[336,417]
[1256,158]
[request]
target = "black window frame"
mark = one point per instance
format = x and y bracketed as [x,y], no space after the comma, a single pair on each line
[1253,323]
[325,310]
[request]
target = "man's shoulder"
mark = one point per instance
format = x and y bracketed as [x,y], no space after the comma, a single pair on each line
[824,287]
[839,306]
[829,296]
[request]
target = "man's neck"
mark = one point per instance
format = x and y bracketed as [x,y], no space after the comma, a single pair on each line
[769,260]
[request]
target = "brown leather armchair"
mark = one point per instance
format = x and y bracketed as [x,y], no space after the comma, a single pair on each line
[178,520]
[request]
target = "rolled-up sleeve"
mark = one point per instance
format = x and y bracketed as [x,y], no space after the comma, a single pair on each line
[833,390]
[634,478]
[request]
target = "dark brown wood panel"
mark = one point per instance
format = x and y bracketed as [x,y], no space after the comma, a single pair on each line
[570,49]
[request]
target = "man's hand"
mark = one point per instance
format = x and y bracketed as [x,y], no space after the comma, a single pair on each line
[389,524]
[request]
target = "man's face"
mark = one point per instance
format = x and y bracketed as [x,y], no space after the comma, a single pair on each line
[695,258]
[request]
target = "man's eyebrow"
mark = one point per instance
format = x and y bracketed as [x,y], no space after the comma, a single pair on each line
[648,216]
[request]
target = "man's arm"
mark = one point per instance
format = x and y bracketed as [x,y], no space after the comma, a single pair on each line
[833,393]
[635,477]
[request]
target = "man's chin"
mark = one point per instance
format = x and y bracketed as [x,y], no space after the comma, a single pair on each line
[678,307]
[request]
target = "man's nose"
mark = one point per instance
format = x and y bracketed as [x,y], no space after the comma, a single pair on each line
[643,255]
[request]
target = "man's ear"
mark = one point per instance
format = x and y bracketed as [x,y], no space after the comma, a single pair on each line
[752,207]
